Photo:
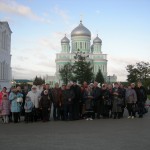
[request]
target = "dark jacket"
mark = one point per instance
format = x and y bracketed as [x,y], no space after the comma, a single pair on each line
[97,94]
[141,94]
[45,102]
[67,96]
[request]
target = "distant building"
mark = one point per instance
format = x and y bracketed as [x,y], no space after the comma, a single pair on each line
[111,79]
[5,56]
[51,80]
[81,40]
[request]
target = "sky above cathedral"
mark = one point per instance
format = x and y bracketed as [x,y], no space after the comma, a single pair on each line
[39,25]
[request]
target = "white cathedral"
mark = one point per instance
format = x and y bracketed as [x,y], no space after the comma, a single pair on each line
[81,40]
[5,56]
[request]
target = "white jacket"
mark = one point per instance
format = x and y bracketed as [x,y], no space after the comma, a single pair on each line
[35,98]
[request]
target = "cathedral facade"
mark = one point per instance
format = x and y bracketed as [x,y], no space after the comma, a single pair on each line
[81,40]
[5,56]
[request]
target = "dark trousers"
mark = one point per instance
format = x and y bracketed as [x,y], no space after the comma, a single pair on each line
[130,109]
[76,111]
[68,112]
[117,115]
[97,108]
[35,114]
[16,116]
[56,112]
[140,109]
[106,111]
[28,117]
[45,114]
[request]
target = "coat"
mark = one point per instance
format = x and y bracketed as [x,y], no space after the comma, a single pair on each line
[117,100]
[5,107]
[45,102]
[67,96]
[56,94]
[35,97]
[28,106]
[15,106]
[130,96]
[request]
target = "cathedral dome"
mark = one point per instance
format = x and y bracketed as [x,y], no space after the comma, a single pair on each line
[80,30]
[97,40]
[65,40]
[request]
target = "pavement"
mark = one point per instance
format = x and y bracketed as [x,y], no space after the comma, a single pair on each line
[99,134]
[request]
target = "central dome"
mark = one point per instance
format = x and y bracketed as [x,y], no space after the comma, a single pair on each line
[81,30]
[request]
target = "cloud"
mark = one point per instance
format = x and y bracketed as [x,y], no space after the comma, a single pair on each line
[12,7]
[117,65]
[63,14]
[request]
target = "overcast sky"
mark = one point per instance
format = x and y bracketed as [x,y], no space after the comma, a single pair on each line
[39,25]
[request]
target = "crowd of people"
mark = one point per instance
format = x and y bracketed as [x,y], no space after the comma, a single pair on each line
[72,102]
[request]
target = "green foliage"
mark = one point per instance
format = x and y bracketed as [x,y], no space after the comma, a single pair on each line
[66,73]
[38,81]
[82,69]
[99,77]
[141,71]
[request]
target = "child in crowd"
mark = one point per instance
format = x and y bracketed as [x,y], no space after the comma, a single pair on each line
[5,107]
[28,106]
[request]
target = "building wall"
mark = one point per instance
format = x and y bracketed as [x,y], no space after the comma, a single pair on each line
[5,56]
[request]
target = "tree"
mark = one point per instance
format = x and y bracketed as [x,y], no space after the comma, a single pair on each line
[140,71]
[132,76]
[38,81]
[66,73]
[99,77]
[82,69]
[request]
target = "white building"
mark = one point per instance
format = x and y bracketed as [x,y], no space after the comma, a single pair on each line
[5,56]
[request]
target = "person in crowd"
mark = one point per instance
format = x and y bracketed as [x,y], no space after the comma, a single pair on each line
[141,98]
[105,102]
[35,95]
[97,99]
[130,98]
[117,101]
[5,108]
[4,91]
[76,101]
[88,103]
[68,96]
[47,87]
[122,88]
[62,115]
[56,94]
[24,92]
[15,104]
[28,106]
[110,89]
[45,106]
[20,100]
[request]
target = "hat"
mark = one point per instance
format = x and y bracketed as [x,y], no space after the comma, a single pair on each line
[34,87]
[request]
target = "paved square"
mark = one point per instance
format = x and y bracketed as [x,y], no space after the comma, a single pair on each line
[102,134]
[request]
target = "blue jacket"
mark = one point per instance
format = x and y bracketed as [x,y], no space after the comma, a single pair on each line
[15,106]
[28,106]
